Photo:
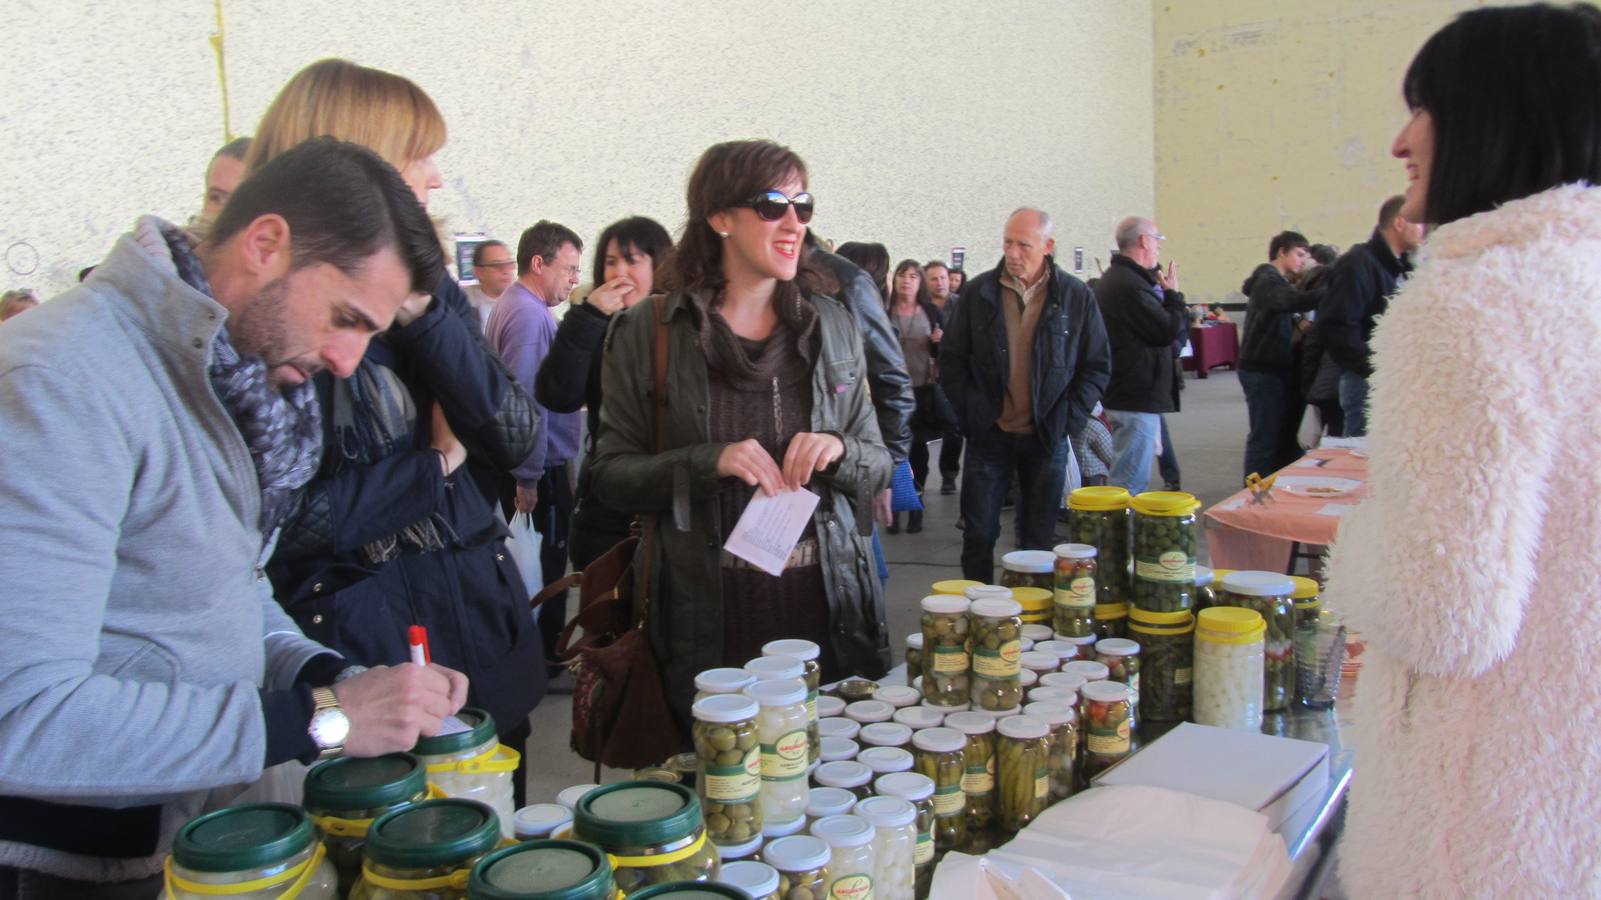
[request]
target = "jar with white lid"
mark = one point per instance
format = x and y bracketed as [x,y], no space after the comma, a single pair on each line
[869,711]
[570,796]
[919,717]
[829,708]
[851,861]
[808,652]
[1083,647]
[1037,633]
[918,790]
[1054,694]
[885,760]
[542,821]
[978,766]
[1040,662]
[758,880]
[1088,669]
[1063,721]
[1027,568]
[946,662]
[914,656]
[1074,589]
[473,764]
[1025,644]
[771,830]
[894,822]
[1064,651]
[885,734]
[782,730]
[722,681]
[995,631]
[1229,651]
[838,748]
[898,696]
[1069,680]
[852,775]
[1121,657]
[839,726]
[822,802]
[1272,596]
[802,864]
[941,756]
[728,773]
[271,844]
[1023,770]
[744,850]
[1108,725]
[1027,678]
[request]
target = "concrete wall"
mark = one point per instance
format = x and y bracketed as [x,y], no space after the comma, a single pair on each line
[923,123]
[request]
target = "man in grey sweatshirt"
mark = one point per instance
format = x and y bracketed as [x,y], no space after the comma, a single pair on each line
[158,421]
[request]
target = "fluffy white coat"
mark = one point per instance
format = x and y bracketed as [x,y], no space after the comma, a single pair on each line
[1474,569]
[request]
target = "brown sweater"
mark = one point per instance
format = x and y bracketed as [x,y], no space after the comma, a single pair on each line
[1022,306]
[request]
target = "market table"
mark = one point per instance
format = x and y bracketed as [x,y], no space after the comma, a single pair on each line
[1242,534]
[1212,345]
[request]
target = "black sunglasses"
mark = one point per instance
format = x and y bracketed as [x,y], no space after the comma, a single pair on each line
[772,204]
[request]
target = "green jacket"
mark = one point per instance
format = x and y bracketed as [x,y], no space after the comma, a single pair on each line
[675,492]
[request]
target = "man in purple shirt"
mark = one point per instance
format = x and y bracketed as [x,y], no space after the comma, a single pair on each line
[521,330]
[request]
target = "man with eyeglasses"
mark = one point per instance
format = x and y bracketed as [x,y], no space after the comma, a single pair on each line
[522,329]
[1144,315]
[495,268]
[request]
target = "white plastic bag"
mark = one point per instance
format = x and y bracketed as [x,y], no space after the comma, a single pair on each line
[523,545]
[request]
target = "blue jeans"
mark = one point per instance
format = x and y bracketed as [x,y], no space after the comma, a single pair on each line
[1134,437]
[992,458]
[1168,462]
[879,562]
[1354,402]
[1271,443]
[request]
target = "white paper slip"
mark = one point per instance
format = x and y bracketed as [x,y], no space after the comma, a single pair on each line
[452,725]
[770,527]
[1336,509]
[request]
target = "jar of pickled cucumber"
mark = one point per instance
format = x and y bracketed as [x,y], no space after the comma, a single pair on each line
[945,650]
[978,766]
[473,764]
[1205,594]
[851,861]
[1111,620]
[654,832]
[839,726]
[1122,660]
[894,822]
[1036,603]
[853,776]
[1167,663]
[886,760]
[345,795]
[1027,568]
[838,748]
[914,656]
[822,802]
[270,845]
[995,630]
[758,880]
[1107,724]
[940,754]
[886,734]
[802,864]
[918,790]
[1100,516]
[1023,770]
[426,851]
[729,771]
[1062,718]
[1229,667]
[543,870]
[722,681]
[1308,608]
[1164,550]
[919,717]
[1074,592]
[1270,595]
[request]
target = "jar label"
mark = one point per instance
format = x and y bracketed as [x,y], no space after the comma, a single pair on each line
[978,781]
[851,887]
[949,659]
[949,801]
[739,783]
[923,852]
[1079,592]
[1172,566]
[1042,786]
[786,758]
[1109,741]
[811,707]
[1183,676]
[1003,663]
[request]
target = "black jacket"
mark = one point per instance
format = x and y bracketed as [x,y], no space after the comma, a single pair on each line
[1359,292]
[887,380]
[1270,320]
[1142,325]
[1072,361]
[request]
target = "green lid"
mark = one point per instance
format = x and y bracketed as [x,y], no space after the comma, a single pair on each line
[481,730]
[242,838]
[433,833]
[691,890]
[348,783]
[546,870]
[637,814]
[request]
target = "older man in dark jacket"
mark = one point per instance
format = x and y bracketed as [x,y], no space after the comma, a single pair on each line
[1024,360]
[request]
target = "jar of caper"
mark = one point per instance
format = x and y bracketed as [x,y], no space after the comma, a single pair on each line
[1074,591]
[1167,663]
[945,652]
[1108,725]
[995,630]
[729,772]
[941,756]
[1269,595]
[914,655]
[1111,620]
[654,832]
[1063,721]
[1036,603]
[1205,594]
[802,864]
[1164,550]
[1100,517]
[1023,770]
[918,790]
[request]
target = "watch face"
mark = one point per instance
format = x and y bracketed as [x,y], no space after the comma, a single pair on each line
[329,728]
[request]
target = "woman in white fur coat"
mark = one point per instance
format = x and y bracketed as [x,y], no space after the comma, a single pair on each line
[1474,568]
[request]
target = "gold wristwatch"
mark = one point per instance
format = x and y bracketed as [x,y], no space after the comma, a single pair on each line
[330,727]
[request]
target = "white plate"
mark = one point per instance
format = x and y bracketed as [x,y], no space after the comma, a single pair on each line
[1321,486]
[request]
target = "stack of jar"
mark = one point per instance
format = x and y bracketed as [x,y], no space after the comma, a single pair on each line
[1029,575]
[1075,591]
[1099,517]
[1270,596]
[1164,551]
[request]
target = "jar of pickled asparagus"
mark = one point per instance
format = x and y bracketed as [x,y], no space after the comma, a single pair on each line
[729,768]
[918,790]
[1229,667]
[1111,620]
[1167,663]
[1074,591]
[940,754]
[1023,770]
[1108,725]
[978,772]
[1100,517]
[945,651]
[808,653]
[1270,595]
[1164,550]
[1063,721]
[995,630]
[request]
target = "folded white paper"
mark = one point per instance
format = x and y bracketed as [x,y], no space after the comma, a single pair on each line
[770,527]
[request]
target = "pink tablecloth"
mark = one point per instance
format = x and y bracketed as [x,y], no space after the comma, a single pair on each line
[1212,345]
[1245,535]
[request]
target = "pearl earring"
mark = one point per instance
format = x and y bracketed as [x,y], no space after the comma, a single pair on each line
[722,234]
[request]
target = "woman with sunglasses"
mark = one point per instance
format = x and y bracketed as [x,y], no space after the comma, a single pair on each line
[920,325]
[765,394]
[1470,569]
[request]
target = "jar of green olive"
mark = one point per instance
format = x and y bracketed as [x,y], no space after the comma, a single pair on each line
[722,681]
[728,773]
[802,864]
[914,655]
[1111,621]
[1167,663]
[1074,591]
[1164,550]
[1100,517]
[995,631]
[1107,724]
[1270,595]
[653,831]
[1027,568]
[940,754]
[427,850]
[978,774]
[1022,771]
[1062,718]
[945,651]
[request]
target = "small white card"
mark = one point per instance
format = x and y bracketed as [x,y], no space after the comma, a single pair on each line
[452,725]
[770,527]
[1336,509]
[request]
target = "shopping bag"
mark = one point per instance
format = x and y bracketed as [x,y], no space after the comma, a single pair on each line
[523,545]
[903,490]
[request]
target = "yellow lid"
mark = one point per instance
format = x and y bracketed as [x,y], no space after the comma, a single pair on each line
[956,586]
[1305,588]
[1217,575]
[1111,610]
[1165,503]
[1161,618]
[1099,499]
[1230,625]
[1033,597]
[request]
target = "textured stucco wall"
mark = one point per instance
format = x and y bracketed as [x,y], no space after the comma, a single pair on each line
[1272,116]
[923,123]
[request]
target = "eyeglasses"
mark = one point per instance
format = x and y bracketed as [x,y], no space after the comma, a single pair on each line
[772,204]
[1155,236]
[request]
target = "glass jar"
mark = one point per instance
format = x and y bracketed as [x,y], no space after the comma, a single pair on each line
[1100,517]
[653,831]
[853,689]
[914,656]
[1108,721]
[1074,590]
[954,587]
[919,717]
[1062,719]
[945,654]
[918,790]
[542,821]
[1318,670]
[802,864]
[894,822]
[473,764]
[1036,603]
[1164,550]
[1040,662]
[570,796]
[1026,678]
[1122,660]
[837,748]
[1023,770]
[1049,694]
[781,727]
[272,844]
[829,707]
[839,726]
[823,802]
[1205,594]
[771,830]
[898,696]
[886,760]
[1037,633]
[1064,651]
[994,631]
[1027,568]
[941,755]
[758,880]
[1308,606]
[1167,664]
[426,851]
[806,653]
[1083,646]
[1229,664]
[729,768]
[543,870]
[345,795]
[886,734]
[852,775]
[978,766]
[867,712]
[1088,669]
[1270,596]
[722,681]
[1111,620]
[851,861]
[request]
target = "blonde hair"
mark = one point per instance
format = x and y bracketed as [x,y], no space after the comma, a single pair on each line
[379,110]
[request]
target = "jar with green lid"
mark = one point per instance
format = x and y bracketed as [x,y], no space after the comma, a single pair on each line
[851,860]
[1270,595]
[914,656]
[1205,593]
[808,652]
[894,822]
[1027,568]
[261,851]
[802,864]
[1111,620]
[691,890]
[1108,725]
[941,755]
[1229,668]
[918,790]
[653,831]
[543,870]
[1167,663]
[729,771]
[473,764]
[945,651]
[781,727]
[1100,516]
[1062,719]
[978,766]
[1023,770]
[1121,657]
[1164,550]
[426,851]
[1074,592]
[345,795]
[995,631]
[1036,603]
[722,681]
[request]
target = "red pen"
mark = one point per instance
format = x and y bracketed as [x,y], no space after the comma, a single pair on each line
[418,637]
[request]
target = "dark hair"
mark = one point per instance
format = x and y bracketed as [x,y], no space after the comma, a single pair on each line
[922,281]
[343,204]
[1514,94]
[478,251]
[635,234]
[935,264]
[1324,254]
[870,258]
[1390,209]
[543,239]
[235,149]
[1285,240]
[727,174]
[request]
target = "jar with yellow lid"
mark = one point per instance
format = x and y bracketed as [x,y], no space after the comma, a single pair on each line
[1074,591]
[1111,620]
[543,870]
[1229,668]
[473,765]
[1269,594]
[1027,568]
[955,587]
[945,651]
[654,832]
[345,795]
[1308,607]
[1167,663]
[1100,517]
[1036,604]
[426,851]
[260,851]
[1164,550]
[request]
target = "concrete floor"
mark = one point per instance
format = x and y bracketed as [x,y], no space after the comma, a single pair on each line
[1210,436]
